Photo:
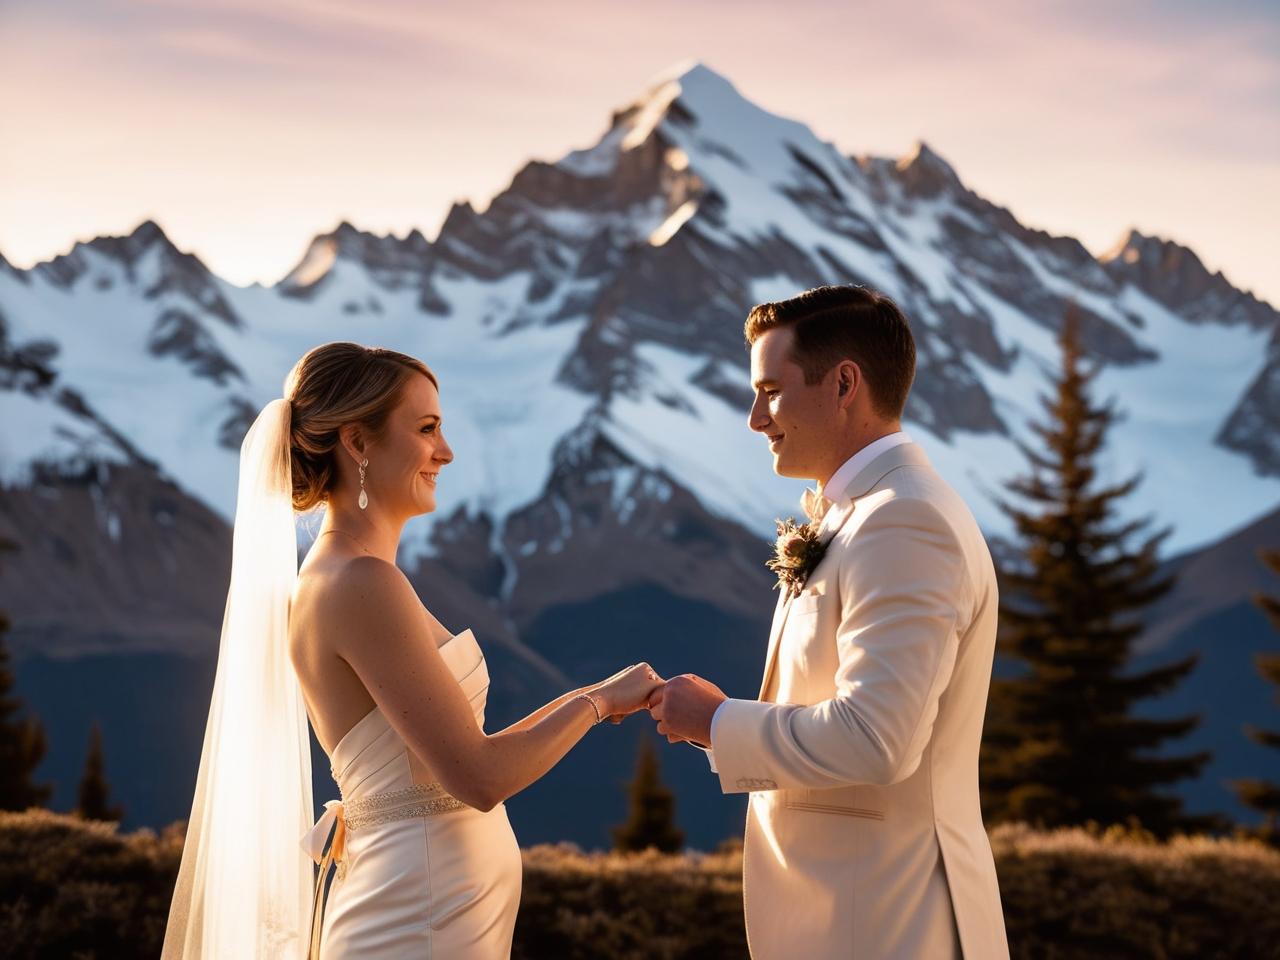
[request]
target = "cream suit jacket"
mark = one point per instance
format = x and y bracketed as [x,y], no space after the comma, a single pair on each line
[864,837]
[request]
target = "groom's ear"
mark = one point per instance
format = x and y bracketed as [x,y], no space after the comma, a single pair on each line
[848,376]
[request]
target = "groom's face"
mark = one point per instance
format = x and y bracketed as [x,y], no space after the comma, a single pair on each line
[794,416]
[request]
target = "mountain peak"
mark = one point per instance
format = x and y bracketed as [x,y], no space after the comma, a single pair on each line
[925,173]
[147,232]
[1178,278]
[696,89]
[694,77]
[1149,253]
[687,93]
[690,69]
[129,247]
[348,242]
[351,240]
[1135,246]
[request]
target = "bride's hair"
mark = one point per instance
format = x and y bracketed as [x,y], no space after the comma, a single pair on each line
[333,384]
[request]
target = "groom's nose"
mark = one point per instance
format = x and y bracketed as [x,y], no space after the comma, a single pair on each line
[758,419]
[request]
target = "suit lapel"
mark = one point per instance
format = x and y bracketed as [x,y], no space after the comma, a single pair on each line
[831,526]
[906,454]
[775,637]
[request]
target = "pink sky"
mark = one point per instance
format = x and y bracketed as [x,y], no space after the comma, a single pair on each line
[246,128]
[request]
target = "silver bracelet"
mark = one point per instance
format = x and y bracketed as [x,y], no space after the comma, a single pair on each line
[591,700]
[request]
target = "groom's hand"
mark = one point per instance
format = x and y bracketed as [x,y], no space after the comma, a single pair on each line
[684,708]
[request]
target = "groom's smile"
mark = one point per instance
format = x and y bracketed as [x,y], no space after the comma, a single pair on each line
[793,416]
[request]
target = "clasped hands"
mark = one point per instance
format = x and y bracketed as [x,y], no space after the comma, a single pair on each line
[682,706]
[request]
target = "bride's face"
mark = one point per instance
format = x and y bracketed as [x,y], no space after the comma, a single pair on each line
[405,462]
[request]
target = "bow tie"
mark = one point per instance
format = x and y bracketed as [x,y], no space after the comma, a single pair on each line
[815,505]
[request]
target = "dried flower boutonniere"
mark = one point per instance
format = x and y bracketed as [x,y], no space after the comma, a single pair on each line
[795,555]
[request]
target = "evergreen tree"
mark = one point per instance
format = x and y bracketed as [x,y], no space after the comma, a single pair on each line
[1261,795]
[1063,745]
[94,789]
[652,817]
[22,739]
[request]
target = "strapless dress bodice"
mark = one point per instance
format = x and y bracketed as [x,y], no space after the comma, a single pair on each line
[372,758]
[419,872]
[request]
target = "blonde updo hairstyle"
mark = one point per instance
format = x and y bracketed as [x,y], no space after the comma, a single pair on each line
[335,384]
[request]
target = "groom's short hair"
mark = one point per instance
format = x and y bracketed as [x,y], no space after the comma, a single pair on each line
[846,323]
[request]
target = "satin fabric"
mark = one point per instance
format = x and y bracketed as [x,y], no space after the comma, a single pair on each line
[864,833]
[440,886]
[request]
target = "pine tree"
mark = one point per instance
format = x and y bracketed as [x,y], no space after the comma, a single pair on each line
[652,817]
[94,789]
[1261,795]
[1063,745]
[22,739]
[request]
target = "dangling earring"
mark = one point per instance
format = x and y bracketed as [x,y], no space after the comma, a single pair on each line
[364,497]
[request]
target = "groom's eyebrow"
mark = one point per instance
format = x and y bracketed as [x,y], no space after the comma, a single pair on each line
[766,382]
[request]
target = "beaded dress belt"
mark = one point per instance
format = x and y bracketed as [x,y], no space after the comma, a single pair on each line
[417,800]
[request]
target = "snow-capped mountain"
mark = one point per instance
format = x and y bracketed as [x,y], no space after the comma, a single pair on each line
[597,303]
[106,542]
[586,327]
[1174,276]
[605,293]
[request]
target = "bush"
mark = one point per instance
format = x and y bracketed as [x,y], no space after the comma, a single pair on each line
[1082,893]
[629,906]
[71,888]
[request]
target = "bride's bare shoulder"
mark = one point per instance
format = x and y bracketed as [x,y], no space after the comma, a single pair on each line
[339,597]
[344,586]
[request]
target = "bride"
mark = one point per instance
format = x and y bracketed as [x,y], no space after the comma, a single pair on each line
[426,863]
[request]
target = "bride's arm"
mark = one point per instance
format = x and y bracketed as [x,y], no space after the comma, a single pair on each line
[593,689]
[545,709]
[387,644]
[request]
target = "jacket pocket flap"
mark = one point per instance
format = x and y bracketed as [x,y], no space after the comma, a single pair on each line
[834,808]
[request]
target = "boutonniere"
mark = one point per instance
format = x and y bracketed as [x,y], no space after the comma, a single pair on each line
[795,554]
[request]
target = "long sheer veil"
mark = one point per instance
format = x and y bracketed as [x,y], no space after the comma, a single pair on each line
[244,887]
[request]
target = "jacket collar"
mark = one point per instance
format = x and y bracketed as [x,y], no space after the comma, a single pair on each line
[905,454]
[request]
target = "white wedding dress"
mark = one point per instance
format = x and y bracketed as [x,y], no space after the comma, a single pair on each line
[419,874]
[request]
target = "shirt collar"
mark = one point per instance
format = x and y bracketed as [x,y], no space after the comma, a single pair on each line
[840,480]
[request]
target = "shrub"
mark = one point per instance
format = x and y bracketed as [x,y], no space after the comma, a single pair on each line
[1079,893]
[71,888]
[629,906]
[77,888]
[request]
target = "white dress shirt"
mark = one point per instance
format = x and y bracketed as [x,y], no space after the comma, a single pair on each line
[840,480]
[833,489]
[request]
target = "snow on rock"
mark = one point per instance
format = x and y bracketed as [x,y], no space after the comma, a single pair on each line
[604,294]
[41,433]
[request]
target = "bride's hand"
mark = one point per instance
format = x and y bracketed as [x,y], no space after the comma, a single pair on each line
[627,691]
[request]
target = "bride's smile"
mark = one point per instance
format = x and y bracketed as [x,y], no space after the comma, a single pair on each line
[427,863]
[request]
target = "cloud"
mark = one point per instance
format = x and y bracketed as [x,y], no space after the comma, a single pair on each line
[384,111]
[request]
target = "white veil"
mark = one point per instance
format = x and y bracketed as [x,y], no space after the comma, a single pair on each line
[245,885]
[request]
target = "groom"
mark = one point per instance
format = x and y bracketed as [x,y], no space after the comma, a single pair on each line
[864,837]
